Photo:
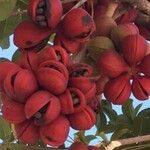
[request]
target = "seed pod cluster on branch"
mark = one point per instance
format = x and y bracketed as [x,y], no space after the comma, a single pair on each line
[54,87]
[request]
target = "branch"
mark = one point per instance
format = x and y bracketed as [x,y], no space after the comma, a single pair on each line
[19,13]
[128,141]
[142,5]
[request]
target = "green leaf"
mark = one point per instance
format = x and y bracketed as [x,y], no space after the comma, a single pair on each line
[107,109]
[119,134]
[4,43]
[16,56]
[6,8]
[17,147]
[8,26]
[101,122]
[128,110]
[137,108]
[144,113]
[5,130]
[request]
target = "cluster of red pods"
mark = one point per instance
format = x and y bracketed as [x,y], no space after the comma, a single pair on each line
[49,92]
[128,70]
[43,92]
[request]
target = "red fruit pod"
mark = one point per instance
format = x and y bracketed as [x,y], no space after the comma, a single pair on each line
[85,85]
[144,66]
[55,133]
[72,101]
[43,107]
[134,49]
[80,69]
[29,38]
[56,53]
[83,120]
[119,32]
[5,68]
[71,46]
[28,60]
[111,64]
[78,146]
[27,132]
[12,111]
[45,13]
[118,90]
[78,25]
[53,76]
[127,17]
[141,88]
[20,84]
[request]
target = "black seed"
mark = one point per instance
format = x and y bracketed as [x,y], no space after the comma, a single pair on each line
[40,18]
[40,11]
[42,23]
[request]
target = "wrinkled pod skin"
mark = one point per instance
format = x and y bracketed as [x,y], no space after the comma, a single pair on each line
[80,78]
[29,39]
[55,133]
[72,101]
[78,25]
[56,53]
[83,120]
[53,76]
[19,84]
[42,107]
[46,13]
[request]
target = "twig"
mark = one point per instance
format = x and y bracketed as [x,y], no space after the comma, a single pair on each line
[142,5]
[128,141]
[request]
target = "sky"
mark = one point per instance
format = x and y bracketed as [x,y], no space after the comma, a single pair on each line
[7,53]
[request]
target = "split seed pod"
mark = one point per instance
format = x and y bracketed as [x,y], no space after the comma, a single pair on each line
[56,53]
[29,38]
[141,88]
[28,60]
[145,65]
[55,133]
[71,46]
[45,13]
[78,25]
[111,64]
[43,107]
[80,79]
[72,101]
[53,76]
[27,132]
[121,31]
[20,84]
[83,120]
[134,49]
[13,111]
[118,90]
[5,68]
